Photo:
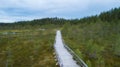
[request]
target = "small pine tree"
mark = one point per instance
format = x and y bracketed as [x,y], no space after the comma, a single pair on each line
[89,63]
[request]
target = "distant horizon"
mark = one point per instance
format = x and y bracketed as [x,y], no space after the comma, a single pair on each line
[26,10]
[55,17]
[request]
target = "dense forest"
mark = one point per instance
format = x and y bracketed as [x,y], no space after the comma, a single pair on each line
[96,39]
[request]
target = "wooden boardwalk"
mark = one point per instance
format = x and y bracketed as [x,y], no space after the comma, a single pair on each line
[65,59]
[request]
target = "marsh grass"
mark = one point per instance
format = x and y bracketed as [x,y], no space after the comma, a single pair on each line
[27,48]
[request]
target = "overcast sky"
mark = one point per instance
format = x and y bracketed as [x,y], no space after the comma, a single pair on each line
[17,10]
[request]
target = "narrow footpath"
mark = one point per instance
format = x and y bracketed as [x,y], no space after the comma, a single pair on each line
[65,59]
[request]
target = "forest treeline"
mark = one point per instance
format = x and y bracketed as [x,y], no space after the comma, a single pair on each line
[96,39]
[110,16]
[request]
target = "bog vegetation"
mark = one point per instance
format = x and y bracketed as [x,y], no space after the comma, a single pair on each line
[27,48]
[95,39]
